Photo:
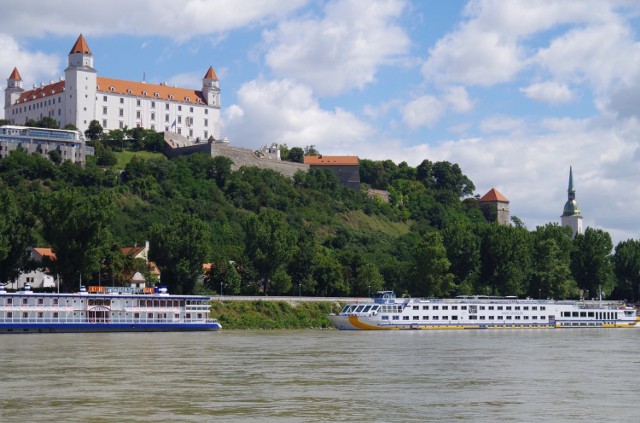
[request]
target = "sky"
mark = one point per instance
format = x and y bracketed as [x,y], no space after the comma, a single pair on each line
[513,91]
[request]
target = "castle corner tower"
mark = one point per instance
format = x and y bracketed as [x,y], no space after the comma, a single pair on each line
[13,90]
[571,216]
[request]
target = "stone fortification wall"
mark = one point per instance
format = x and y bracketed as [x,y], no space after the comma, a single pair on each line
[245,157]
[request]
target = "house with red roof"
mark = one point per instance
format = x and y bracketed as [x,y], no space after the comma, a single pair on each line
[346,168]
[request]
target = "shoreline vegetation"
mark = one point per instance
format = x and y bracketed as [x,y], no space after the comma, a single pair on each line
[273,314]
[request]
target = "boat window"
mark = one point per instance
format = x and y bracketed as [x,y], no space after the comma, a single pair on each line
[517,308]
[463,307]
[590,314]
[415,307]
[366,309]
[425,307]
[490,307]
[445,317]
[55,301]
[436,307]
[473,317]
[583,314]
[543,308]
[359,308]
[525,308]
[25,315]
[508,317]
[454,307]
[375,307]
[149,315]
[188,316]
[425,317]
[136,315]
[416,317]
[574,314]
[445,307]
[405,317]
[499,317]
[481,307]
[526,317]
[482,317]
[534,317]
[517,317]
[508,307]
[435,317]
[9,314]
[55,314]
[385,317]
[491,318]
[25,301]
[396,317]
[454,317]
[9,300]
[40,301]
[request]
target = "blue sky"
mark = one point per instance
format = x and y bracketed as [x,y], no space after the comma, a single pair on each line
[513,91]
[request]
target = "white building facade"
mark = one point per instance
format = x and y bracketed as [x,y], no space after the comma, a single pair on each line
[82,96]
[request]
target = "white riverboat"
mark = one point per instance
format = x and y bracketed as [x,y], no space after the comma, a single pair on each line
[482,312]
[104,309]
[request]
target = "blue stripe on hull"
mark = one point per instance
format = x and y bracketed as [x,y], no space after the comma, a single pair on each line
[105,327]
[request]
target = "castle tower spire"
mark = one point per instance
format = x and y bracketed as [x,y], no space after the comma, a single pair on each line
[571,213]
[14,88]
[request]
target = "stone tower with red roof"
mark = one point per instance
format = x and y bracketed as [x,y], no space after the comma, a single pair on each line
[495,207]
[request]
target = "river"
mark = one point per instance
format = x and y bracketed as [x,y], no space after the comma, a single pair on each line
[572,375]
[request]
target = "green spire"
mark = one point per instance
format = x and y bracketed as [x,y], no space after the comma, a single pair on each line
[571,189]
[571,206]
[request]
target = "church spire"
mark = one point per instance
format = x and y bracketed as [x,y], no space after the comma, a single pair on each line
[571,213]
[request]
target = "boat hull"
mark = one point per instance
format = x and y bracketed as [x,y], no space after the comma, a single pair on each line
[22,328]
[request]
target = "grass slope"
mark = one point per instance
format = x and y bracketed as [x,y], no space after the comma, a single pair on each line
[272,315]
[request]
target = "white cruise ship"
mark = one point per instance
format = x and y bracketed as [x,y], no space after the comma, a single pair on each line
[104,309]
[482,312]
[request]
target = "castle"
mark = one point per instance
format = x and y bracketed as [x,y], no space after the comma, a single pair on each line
[82,96]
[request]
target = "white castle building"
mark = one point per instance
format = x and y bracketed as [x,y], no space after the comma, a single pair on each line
[82,96]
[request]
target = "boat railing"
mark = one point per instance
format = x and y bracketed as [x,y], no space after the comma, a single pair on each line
[85,320]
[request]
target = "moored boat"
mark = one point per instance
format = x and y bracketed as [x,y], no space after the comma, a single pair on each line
[482,312]
[104,309]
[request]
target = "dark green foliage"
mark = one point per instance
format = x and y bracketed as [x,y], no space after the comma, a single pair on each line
[306,235]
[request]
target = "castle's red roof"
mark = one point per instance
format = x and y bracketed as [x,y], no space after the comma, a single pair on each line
[211,74]
[494,195]
[80,46]
[15,75]
[331,160]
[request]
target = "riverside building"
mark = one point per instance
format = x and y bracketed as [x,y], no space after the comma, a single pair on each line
[82,96]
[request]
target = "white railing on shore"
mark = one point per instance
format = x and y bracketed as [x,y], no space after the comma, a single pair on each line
[292,299]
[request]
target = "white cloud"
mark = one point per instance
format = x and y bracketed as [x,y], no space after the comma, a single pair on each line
[494,43]
[423,111]
[501,124]
[549,92]
[34,66]
[458,99]
[175,19]
[286,112]
[341,50]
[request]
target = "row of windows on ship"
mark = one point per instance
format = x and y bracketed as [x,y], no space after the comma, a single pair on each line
[397,308]
[149,303]
[56,315]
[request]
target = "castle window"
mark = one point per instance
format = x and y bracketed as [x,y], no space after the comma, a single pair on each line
[170,96]
[206,111]
[104,98]
[191,132]
[112,89]
[206,134]
[166,106]
[153,104]
[104,110]
[121,100]
[104,123]
[156,94]
[187,99]
[179,131]
[179,108]
[144,93]
[166,118]
[138,114]
[153,116]
[191,109]
[138,103]
[179,119]
[121,125]
[121,112]
[206,122]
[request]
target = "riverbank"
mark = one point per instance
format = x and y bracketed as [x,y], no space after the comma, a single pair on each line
[273,314]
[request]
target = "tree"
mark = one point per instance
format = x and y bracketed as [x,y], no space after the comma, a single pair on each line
[626,262]
[431,267]
[179,249]
[551,263]
[94,131]
[311,150]
[48,122]
[268,244]
[15,236]
[506,257]
[296,154]
[463,251]
[76,226]
[591,261]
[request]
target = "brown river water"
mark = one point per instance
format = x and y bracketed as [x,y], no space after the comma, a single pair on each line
[537,375]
